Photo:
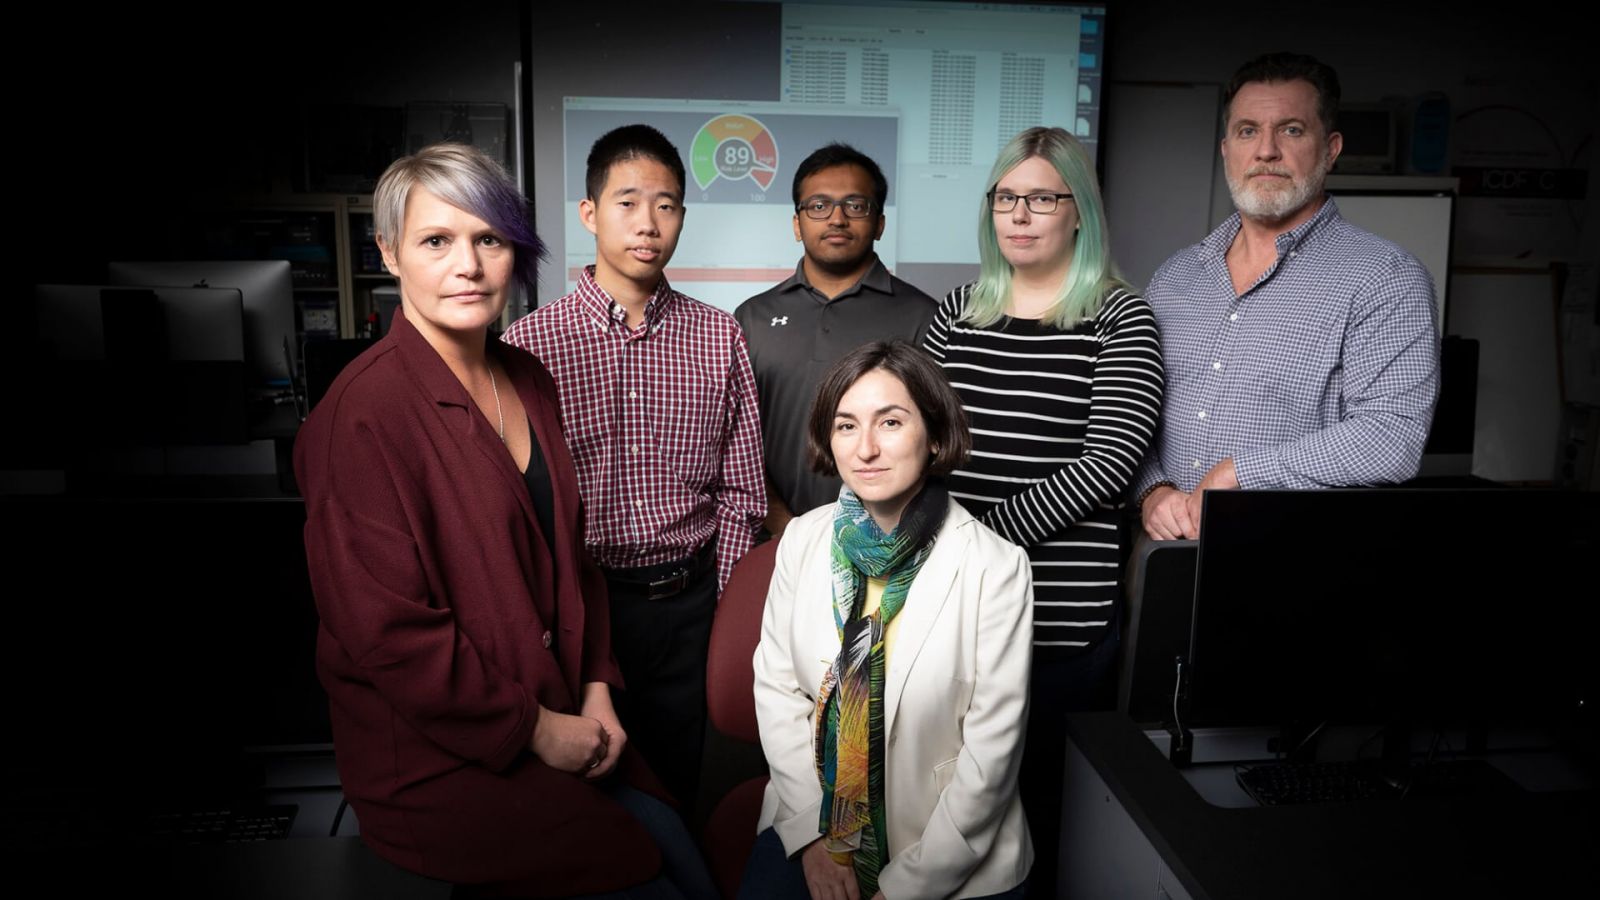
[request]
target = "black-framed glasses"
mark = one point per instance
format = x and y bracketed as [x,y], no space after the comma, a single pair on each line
[1042,203]
[821,208]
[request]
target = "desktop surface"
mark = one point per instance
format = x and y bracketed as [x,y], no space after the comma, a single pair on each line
[305,869]
[1529,843]
[159,644]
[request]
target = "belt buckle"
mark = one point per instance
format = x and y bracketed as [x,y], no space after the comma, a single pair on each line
[666,587]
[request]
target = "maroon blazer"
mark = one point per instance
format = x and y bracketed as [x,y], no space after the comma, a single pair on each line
[446,622]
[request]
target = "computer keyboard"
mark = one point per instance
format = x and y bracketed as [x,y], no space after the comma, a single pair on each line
[1459,778]
[1289,784]
[1292,784]
[260,823]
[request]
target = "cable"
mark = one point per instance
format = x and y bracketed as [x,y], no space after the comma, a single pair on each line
[1362,747]
[1307,739]
[338,817]
[1177,721]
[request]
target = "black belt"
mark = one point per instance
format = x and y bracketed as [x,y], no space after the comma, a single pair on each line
[663,580]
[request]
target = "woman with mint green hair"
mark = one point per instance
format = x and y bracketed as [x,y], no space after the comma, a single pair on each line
[1058,366]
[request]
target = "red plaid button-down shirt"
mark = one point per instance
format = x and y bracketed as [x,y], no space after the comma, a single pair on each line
[662,422]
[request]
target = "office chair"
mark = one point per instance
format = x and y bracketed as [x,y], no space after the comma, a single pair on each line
[730,831]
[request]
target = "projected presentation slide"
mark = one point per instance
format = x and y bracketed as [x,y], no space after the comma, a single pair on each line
[738,233]
[931,90]
[965,81]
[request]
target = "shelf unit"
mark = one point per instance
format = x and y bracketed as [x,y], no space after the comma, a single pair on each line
[328,240]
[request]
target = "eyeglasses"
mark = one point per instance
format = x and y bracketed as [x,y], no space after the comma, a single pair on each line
[1043,203]
[820,208]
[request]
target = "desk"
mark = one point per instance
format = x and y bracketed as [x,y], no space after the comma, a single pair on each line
[1133,826]
[306,869]
[303,869]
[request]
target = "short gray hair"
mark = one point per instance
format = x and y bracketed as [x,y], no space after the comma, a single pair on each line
[466,178]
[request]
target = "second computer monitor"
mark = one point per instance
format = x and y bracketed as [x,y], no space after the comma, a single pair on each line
[268,290]
[1471,607]
[199,324]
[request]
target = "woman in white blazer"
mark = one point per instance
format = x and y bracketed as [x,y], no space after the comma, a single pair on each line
[891,680]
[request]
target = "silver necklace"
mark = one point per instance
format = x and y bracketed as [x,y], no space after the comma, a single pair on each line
[498,413]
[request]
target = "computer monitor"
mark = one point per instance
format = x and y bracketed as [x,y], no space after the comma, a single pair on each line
[163,365]
[199,324]
[1455,415]
[268,292]
[1160,604]
[1369,131]
[1468,607]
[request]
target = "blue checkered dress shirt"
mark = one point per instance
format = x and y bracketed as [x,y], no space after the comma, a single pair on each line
[1321,374]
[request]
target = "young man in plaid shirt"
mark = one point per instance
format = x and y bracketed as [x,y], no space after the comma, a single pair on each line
[659,407]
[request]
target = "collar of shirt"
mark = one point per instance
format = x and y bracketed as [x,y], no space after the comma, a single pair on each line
[876,277]
[432,372]
[609,315]
[1218,241]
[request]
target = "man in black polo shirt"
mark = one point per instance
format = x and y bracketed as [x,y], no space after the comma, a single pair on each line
[839,298]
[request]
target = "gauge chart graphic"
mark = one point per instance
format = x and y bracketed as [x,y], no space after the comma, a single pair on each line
[733,146]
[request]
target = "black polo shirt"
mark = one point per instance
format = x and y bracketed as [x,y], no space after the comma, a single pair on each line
[795,335]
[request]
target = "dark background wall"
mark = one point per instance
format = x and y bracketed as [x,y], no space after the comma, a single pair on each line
[129,123]
[134,123]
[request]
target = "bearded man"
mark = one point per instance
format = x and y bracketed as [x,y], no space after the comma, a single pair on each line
[1300,351]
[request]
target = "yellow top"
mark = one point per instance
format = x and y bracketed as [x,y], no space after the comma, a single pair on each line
[875,589]
[841,851]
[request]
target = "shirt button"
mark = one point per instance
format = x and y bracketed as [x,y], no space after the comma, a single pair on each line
[1196,464]
[1216,366]
[546,640]
[633,395]
[1233,318]
[1202,414]
[639,504]
[634,449]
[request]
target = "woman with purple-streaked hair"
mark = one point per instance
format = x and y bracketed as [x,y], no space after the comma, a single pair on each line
[465,641]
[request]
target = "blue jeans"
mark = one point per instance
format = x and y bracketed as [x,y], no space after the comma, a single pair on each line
[683,871]
[770,875]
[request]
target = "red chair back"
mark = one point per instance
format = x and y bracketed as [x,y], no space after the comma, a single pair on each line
[730,679]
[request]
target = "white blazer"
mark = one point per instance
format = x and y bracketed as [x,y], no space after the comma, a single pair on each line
[955,707]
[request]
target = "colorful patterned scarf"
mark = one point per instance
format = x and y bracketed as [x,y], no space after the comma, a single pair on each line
[849,737]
